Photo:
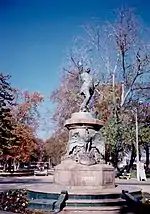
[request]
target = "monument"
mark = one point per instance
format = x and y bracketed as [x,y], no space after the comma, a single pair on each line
[86,183]
[84,169]
[84,163]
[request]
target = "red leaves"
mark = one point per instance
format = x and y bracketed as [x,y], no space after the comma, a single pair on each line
[25,142]
[33,98]
[56,146]
[24,117]
[26,110]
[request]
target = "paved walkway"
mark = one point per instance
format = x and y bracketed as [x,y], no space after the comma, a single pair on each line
[144,185]
[24,182]
[35,181]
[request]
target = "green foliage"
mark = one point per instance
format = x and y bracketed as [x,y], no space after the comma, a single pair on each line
[113,133]
[144,134]
[7,139]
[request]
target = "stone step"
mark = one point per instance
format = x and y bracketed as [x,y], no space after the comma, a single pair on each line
[91,210]
[47,204]
[95,203]
[42,204]
[42,195]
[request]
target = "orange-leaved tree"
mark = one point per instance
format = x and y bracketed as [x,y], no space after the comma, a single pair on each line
[26,119]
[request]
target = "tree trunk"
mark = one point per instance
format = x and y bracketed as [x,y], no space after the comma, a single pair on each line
[115,159]
[9,162]
[14,164]
[5,165]
[140,154]
[147,156]
[132,159]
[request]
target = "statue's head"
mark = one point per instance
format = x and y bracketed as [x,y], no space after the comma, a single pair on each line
[88,70]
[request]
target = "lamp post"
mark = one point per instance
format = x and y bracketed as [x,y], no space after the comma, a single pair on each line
[137,145]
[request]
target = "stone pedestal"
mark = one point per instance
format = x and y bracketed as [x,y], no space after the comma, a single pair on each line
[90,182]
[83,171]
[69,173]
[85,145]
[91,189]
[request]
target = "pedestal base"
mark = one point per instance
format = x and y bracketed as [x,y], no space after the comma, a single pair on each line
[84,200]
[69,173]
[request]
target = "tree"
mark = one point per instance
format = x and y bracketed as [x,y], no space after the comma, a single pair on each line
[19,118]
[25,143]
[25,117]
[135,67]
[131,72]
[6,125]
[40,153]
[144,129]
[26,110]
[121,61]
[56,147]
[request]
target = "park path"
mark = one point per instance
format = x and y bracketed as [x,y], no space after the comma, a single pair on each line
[24,182]
[144,185]
[36,181]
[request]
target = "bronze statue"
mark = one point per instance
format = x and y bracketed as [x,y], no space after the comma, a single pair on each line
[85,145]
[87,87]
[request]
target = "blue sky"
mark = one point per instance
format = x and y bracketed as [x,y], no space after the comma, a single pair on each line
[36,34]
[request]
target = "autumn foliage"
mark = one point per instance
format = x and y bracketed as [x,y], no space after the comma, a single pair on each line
[56,146]
[19,121]
[25,116]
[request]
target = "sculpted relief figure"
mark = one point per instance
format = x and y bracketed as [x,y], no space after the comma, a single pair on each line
[87,149]
[87,87]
